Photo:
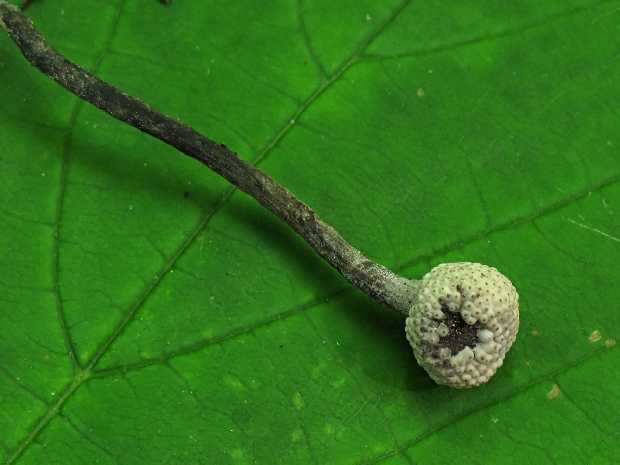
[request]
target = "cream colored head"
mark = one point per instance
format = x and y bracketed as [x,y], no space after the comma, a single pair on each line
[464,321]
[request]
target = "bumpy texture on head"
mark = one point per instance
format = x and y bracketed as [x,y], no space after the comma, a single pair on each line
[464,322]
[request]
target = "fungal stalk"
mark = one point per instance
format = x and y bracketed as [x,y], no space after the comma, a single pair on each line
[459,325]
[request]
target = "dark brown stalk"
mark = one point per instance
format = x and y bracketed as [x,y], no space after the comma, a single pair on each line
[373,279]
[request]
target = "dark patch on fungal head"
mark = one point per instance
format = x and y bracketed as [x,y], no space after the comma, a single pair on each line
[460,334]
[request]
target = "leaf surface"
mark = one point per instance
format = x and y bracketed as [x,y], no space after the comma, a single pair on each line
[153,314]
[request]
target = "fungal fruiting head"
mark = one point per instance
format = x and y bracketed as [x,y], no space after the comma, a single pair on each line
[463,323]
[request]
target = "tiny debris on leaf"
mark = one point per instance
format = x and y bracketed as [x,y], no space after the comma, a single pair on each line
[555,391]
[595,336]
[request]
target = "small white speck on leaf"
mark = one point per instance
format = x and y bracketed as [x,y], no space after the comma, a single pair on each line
[131,207]
[421,92]
[368,18]
[610,342]
[555,391]
[494,420]
[595,336]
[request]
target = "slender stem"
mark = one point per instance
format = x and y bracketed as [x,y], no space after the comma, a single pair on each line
[373,279]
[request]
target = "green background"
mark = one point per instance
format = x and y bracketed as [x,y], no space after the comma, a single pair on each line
[151,314]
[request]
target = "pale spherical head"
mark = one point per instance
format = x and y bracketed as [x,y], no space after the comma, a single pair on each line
[465,320]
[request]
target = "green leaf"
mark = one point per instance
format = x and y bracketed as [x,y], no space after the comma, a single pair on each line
[151,314]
